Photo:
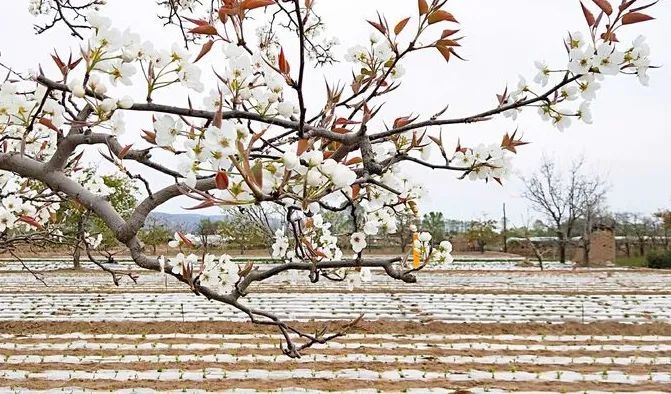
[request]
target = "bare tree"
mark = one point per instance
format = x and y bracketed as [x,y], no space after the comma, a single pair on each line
[563,199]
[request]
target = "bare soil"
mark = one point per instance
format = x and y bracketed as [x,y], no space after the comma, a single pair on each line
[379,327]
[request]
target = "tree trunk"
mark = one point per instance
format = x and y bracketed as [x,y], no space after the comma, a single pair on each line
[562,248]
[585,252]
[76,255]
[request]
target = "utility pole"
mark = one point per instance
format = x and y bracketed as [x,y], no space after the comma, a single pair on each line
[505,230]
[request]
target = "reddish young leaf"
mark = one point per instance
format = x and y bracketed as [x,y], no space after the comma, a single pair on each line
[221,180]
[635,17]
[48,123]
[605,6]
[62,67]
[400,26]
[609,36]
[340,130]
[251,4]
[74,64]
[354,160]
[356,189]
[184,239]
[302,146]
[149,136]
[445,51]
[204,204]
[378,26]
[283,63]
[223,14]
[207,30]
[641,8]
[204,50]
[31,221]
[447,33]
[625,4]
[199,22]
[439,16]
[447,43]
[423,7]
[403,121]
[589,17]
[343,121]
[257,172]
[123,152]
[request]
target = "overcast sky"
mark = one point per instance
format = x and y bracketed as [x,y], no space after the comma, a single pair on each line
[628,142]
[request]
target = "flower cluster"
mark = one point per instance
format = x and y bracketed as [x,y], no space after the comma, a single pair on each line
[19,125]
[588,66]
[219,274]
[442,254]
[484,162]
[20,207]
[39,7]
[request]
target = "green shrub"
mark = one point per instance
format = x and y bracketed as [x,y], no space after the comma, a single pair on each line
[659,260]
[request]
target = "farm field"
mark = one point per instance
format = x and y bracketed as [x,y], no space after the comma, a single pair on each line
[480,326]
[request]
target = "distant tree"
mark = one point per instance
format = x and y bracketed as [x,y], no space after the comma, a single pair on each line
[664,217]
[403,233]
[80,221]
[250,227]
[434,223]
[205,229]
[563,198]
[155,234]
[482,232]
[341,222]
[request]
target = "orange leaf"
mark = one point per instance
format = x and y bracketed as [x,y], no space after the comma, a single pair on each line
[283,63]
[635,17]
[251,4]
[48,123]
[356,189]
[204,204]
[185,239]
[199,22]
[447,43]
[447,33]
[423,7]
[204,50]
[445,51]
[223,14]
[340,130]
[400,26]
[354,160]
[604,5]
[149,136]
[31,221]
[218,118]
[257,171]
[208,30]
[302,146]
[401,122]
[439,16]
[589,17]
[341,121]
[123,152]
[221,180]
